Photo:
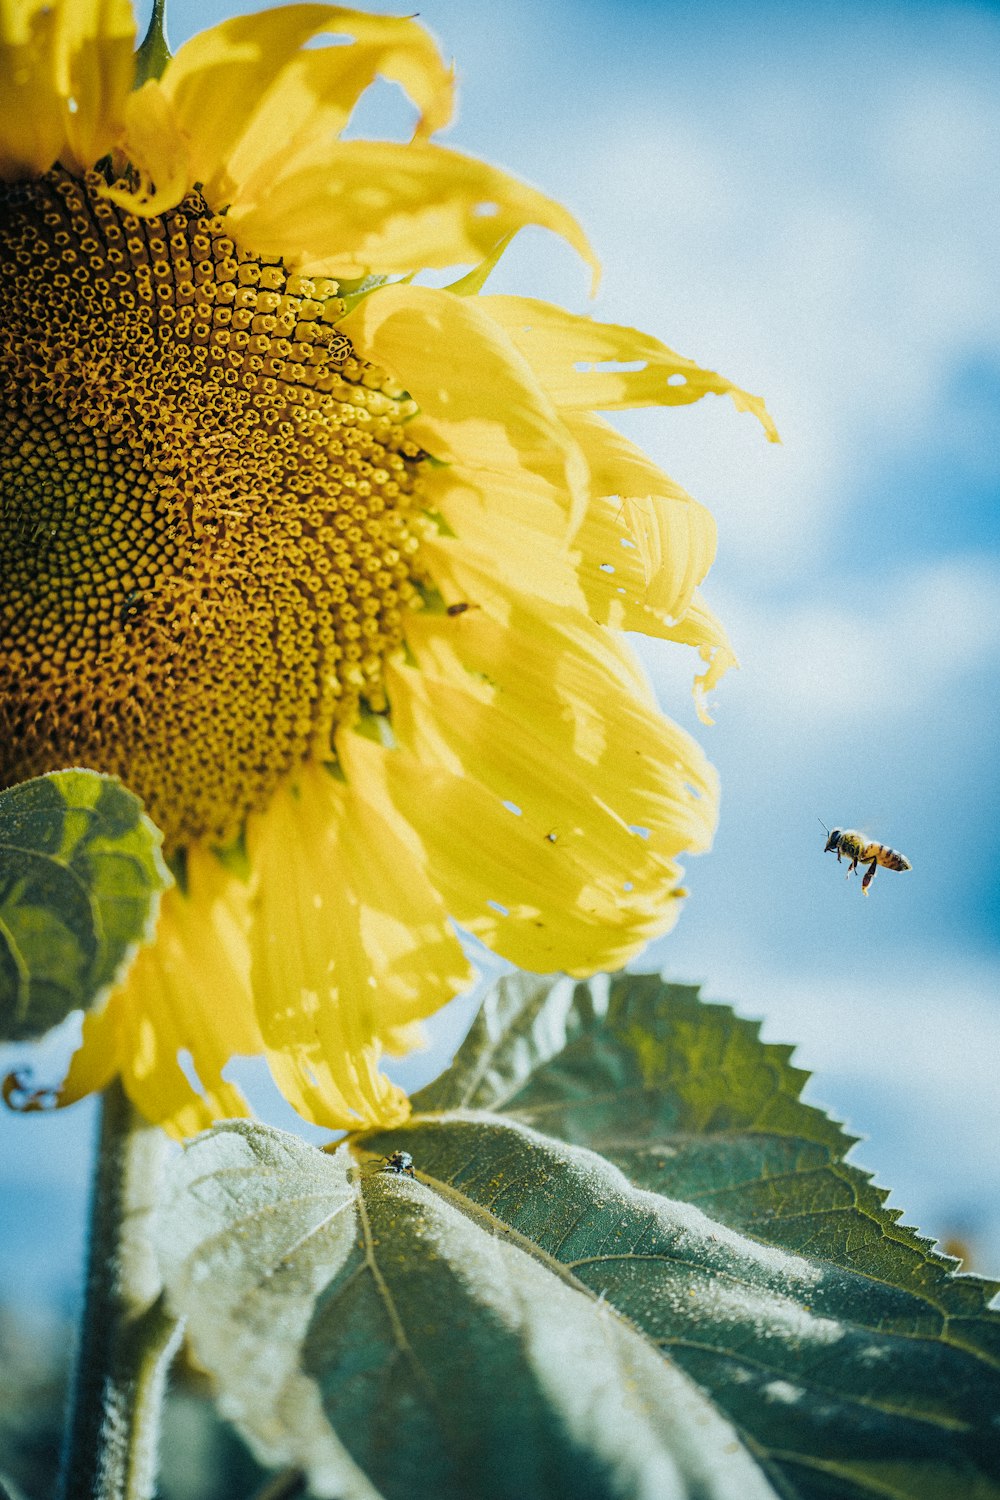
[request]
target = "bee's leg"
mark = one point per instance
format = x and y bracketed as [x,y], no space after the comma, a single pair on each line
[869,876]
[852,867]
[838,856]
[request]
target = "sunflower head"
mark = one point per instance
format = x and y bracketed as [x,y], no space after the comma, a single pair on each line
[330,568]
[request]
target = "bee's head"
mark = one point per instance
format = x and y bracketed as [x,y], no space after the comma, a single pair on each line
[832,841]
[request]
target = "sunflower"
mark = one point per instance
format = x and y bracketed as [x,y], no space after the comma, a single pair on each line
[331,568]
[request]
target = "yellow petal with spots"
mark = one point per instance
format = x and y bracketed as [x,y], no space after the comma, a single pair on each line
[568,694]
[355,207]
[556,343]
[66,68]
[350,945]
[539,894]
[479,406]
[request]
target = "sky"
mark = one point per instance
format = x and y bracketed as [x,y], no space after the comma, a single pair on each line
[807,200]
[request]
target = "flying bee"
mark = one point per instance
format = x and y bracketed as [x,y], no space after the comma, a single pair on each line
[859,850]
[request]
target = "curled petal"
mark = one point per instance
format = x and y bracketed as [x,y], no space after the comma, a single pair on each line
[354,207]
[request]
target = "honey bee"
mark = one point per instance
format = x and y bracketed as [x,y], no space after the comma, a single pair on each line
[858,849]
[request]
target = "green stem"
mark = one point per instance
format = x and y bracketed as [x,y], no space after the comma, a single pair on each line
[127,1340]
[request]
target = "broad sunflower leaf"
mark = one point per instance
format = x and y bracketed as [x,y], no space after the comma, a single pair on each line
[81,874]
[688,1102]
[380,1330]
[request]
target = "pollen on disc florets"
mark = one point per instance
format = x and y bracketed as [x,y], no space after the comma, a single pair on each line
[209,509]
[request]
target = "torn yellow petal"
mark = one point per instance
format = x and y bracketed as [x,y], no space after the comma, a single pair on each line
[66,67]
[543,902]
[479,404]
[644,540]
[549,795]
[354,207]
[350,944]
[185,995]
[701,629]
[574,696]
[556,343]
[247,95]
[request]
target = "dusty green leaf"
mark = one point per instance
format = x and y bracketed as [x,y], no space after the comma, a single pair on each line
[382,1331]
[80,879]
[716,1305]
[689,1103]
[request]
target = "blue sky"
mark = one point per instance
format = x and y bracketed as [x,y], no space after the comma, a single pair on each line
[806,199]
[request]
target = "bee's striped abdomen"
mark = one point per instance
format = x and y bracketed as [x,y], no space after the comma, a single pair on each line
[891,858]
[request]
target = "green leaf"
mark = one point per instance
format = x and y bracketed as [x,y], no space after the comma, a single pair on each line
[356,1320]
[449,1331]
[80,879]
[688,1102]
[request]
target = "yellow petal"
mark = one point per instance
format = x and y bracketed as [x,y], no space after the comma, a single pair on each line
[480,406]
[187,995]
[701,629]
[96,67]
[247,95]
[95,1062]
[158,149]
[66,67]
[549,795]
[350,945]
[544,903]
[645,544]
[354,207]
[556,343]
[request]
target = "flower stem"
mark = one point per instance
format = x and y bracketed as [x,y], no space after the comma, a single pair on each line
[127,1339]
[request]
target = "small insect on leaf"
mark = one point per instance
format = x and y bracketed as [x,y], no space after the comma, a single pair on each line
[400,1163]
[856,848]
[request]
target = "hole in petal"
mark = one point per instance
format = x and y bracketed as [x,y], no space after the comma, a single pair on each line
[677,379]
[638,828]
[186,1064]
[513,807]
[502,911]
[486,210]
[607,567]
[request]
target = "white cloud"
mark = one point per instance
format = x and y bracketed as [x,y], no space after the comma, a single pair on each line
[832,247]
